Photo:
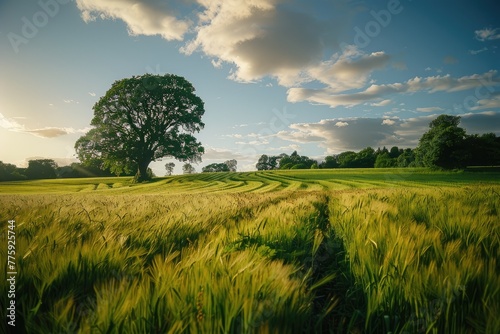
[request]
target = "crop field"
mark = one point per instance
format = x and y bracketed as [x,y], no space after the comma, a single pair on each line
[311,251]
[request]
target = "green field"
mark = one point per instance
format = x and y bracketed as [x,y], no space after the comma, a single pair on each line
[314,251]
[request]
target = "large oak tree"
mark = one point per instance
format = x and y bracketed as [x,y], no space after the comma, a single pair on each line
[142,119]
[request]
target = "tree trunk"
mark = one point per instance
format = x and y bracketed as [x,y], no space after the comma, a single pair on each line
[142,172]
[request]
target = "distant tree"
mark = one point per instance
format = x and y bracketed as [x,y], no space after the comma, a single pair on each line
[288,161]
[215,167]
[170,168]
[264,163]
[282,161]
[395,152]
[187,168]
[288,165]
[406,159]
[314,166]
[381,151]
[384,160]
[41,169]
[295,157]
[365,158]
[142,119]
[295,161]
[231,164]
[10,172]
[330,162]
[443,145]
[347,159]
[482,150]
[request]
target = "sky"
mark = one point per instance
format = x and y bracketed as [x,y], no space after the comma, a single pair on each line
[320,77]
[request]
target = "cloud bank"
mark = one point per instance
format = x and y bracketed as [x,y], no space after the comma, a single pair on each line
[285,40]
[355,133]
[374,92]
[46,132]
[145,17]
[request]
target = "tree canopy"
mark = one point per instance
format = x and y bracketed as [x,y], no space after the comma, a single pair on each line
[187,168]
[227,166]
[143,119]
[215,167]
[443,145]
[10,172]
[41,169]
[169,168]
[285,161]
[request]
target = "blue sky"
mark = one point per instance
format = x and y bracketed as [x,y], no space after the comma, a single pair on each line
[319,77]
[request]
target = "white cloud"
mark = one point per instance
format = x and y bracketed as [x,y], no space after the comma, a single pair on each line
[92,94]
[258,38]
[490,103]
[350,69]
[281,40]
[360,133]
[341,124]
[233,135]
[475,52]
[216,63]
[9,124]
[378,132]
[429,109]
[382,103]
[487,34]
[299,136]
[145,17]
[431,84]
[253,142]
[46,132]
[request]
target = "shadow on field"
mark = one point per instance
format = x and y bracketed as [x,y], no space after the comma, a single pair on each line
[320,254]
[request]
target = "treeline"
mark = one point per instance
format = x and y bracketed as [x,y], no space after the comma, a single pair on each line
[227,166]
[445,145]
[48,169]
[366,158]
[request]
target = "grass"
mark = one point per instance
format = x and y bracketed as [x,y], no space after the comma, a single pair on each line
[372,251]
